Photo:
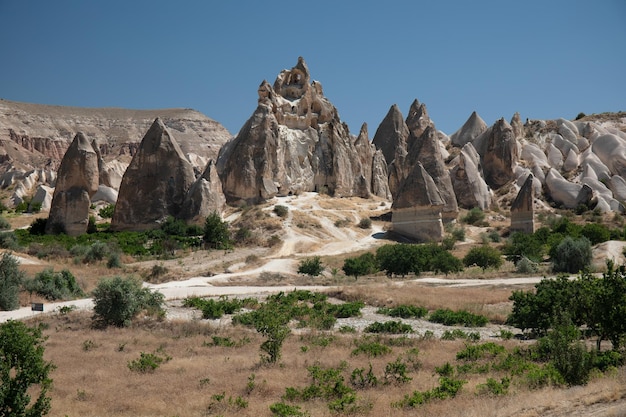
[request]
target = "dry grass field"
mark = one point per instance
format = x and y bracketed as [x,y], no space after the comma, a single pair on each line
[198,378]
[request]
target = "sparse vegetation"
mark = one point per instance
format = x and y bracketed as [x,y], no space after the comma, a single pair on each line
[118,300]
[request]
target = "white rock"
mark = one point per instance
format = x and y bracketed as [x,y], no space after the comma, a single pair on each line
[571,162]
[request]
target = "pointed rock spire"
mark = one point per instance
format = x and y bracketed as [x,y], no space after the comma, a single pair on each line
[154,184]
[471,129]
[391,134]
[77,181]
[204,197]
[501,155]
[523,208]
[417,211]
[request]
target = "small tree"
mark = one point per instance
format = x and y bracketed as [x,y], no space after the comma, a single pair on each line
[445,262]
[10,280]
[311,266]
[118,300]
[216,234]
[475,216]
[359,266]
[484,257]
[23,371]
[571,255]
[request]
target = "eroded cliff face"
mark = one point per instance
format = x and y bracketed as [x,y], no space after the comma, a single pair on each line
[36,137]
[295,142]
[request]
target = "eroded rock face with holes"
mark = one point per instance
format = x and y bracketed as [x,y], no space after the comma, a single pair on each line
[295,142]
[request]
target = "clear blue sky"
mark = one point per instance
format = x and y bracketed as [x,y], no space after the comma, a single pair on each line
[545,59]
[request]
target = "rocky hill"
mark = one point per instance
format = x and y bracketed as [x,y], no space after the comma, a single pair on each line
[34,138]
[295,142]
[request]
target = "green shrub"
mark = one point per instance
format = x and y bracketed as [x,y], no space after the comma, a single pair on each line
[118,300]
[281,211]
[11,278]
[23,371]
[4,224]
[146,363]
[526,266]
[475,216]
[114,261]
[396,372]
[54,285]
[365,223]
[476,352]
[404,311]
[484,257]
[371,349]
[493,387]
[448,317]
[8,240]
[448,388]
[360,379]
[107,211]
[311,266]
[523,245]
[284,410]
[458,233]
[364,264]
[571,255]
[216,234]
[393,327]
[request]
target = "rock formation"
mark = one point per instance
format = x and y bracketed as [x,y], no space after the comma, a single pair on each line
[35,137]
[155,184]
[293,142]
[204,197]
[416,213]
[500,156]
[523,208]
[471,129]
[467,180]
[391,134]
[77,181]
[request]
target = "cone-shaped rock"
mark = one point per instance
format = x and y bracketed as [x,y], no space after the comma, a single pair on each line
[417,121]
[467,180]
[471,129]
[417,211]
[523,208]
[77,181]
[204,197]
[391,134]
[293,142]
[517,126]
[154,184]
[501,155]
[426,149]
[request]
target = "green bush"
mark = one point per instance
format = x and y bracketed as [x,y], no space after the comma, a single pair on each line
[371,349]
[475,216]
[493,387]
[107,211]
[448,388]
[393,327]
[118,300]
[523,245]
[281,211]
[359,266]
[365,223]
[284,410]
[4,224]
[311,266]
[23,371]
[396,372]
[404,311]
[8,240]
[147,363]
[216,234]
[54,285]
[484,257]
[448,317]
[11,278]
[476,352]
[526,266]
[571,255]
